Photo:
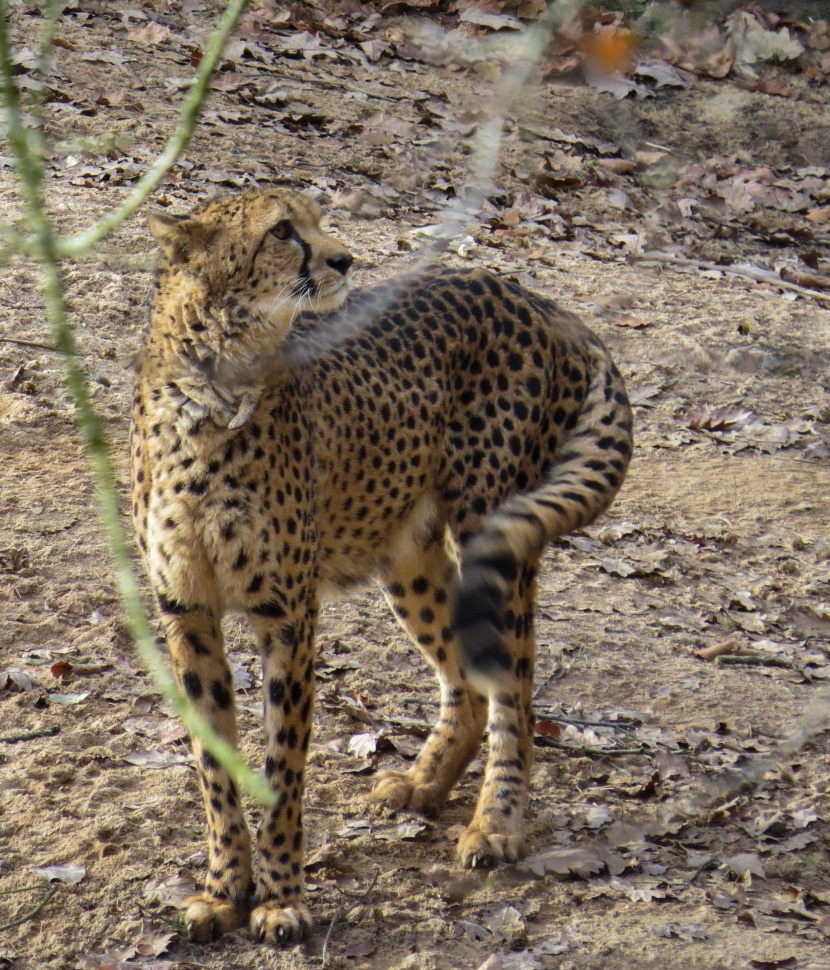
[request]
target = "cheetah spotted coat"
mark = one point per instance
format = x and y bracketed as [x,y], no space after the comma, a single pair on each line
[434,433]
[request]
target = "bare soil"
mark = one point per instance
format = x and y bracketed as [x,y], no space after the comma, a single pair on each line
[708,540]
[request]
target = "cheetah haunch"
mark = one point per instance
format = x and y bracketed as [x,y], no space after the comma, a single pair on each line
[434,433]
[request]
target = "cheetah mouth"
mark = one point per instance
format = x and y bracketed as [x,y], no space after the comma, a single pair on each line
[306,287]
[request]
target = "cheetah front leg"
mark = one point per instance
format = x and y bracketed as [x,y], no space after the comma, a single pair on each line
[196,646]
[280,915]
[419,587]
[496,832]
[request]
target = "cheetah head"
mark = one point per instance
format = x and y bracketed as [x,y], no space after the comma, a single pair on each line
[262,250]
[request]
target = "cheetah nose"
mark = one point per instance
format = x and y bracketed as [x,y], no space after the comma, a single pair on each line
[341,262]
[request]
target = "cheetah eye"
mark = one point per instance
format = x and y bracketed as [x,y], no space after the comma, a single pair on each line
[282,230]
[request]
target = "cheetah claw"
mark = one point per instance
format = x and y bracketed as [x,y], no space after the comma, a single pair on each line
[399,789]
[208,918]
[479,849]
[280,925]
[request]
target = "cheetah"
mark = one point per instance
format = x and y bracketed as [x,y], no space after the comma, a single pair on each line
[293,438]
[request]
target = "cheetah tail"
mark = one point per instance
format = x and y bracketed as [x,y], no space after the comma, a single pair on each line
[585,474]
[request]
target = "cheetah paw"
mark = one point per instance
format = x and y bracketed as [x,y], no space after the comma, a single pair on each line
[208,918]
[400,789]
[280,925]
[479,849]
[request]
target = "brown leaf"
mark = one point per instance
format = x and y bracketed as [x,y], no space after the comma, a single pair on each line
[548,729]
[617,166]
[531,9]
[61,670]
[153,940]
[705,418]
[719,63]
[811,280]
[769,86]
[633,323]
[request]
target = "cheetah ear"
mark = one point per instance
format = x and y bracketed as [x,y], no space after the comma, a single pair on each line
[180,236]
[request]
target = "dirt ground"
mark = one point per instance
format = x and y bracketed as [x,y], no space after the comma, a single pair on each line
[722,530]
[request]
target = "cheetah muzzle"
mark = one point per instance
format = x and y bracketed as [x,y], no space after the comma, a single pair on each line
[434,433]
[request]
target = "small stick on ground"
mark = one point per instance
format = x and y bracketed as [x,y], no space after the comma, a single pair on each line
[428,701]
[586,722]
[754,273]
[50,892]
[753,660]
[557,718]
[589,752]
[344,911]
[30,343]
[46,732]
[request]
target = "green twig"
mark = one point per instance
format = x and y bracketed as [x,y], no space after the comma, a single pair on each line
[24,889]
[50,892]
[46,732]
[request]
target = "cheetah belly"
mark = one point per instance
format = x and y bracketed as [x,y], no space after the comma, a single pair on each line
[355,560]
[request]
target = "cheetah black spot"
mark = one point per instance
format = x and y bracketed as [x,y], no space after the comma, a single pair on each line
[221,694]
[192,685]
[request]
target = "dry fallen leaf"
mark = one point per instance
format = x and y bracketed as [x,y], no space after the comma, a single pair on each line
[581,861]
[745,862]
[67,698]
[16,678]
[363,745]
[65,874]
[153,941]
[633,323]
[143,758]
[170,891]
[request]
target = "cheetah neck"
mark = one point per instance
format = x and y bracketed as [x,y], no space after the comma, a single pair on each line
[202,361]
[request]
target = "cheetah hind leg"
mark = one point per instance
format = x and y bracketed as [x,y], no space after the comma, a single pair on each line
[496,832]
[419,589]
